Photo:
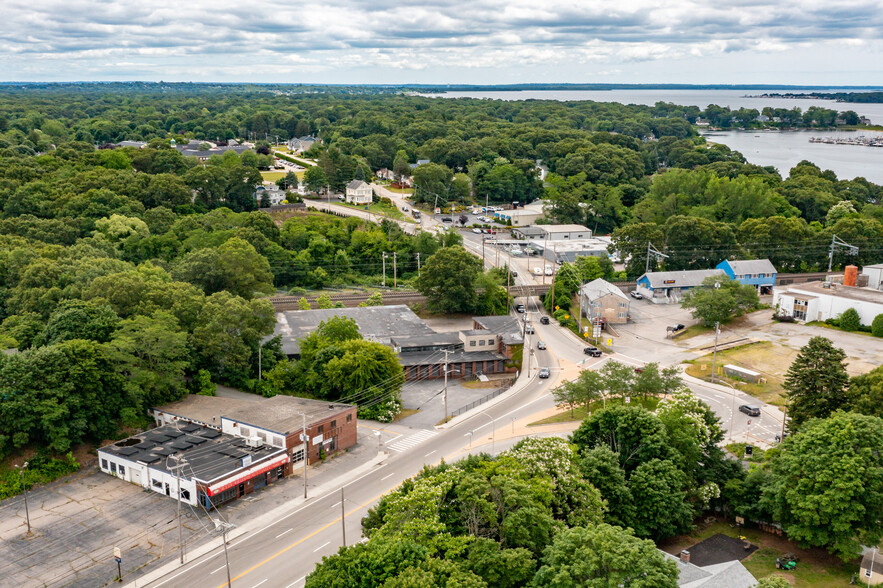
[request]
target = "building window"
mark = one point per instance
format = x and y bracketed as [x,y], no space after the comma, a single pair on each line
[761,275]
[262,436]
[278,442]
[156,484]
[320,430]
[245,431]
[103,464]
[472,343]
[185,494]
[490,341]
[113,467]
[349,418]
[333,424]
[481,343]
[122,471]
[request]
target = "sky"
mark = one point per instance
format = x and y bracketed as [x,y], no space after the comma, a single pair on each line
[813,42]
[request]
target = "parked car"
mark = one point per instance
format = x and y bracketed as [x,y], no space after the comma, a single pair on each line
[639,370]
[544,373]
[476,231]
[548,270]
[677,327]
[519,308]
[544,320]
[404,209]
[447,219]
[750,410]
[514,274]
[636,295]
[592,351]
[541,345]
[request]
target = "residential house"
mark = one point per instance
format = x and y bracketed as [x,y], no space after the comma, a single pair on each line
[358,192]
[871,570]
[754,272]
[600,299]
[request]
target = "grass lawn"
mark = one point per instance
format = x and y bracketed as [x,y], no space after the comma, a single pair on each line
[405,413]
[381,209]
[771,360]
[816,568]
[692,331]
[580,413]
[475,384]
[738,449]
[825,325]
[272,176]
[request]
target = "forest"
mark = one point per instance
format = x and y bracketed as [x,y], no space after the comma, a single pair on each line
[143,271]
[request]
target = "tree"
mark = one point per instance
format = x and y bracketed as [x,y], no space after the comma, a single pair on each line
[79,319]
[866,392]
[324,301]
[815,384]
[604,556]
[448,280]
[600,466]
[850,320]
[235,266]
[720,299]
[617,378]
[826,487]
[375,299]
[659,490]
[877,326]
[203,385]
[303,304]
[315,179]
[634,434]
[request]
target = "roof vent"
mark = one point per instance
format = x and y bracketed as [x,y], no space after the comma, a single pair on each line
[330,407]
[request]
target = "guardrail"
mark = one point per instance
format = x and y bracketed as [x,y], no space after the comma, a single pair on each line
[481,400]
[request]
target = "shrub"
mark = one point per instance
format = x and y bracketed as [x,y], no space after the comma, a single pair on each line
[877,326]
[849,320]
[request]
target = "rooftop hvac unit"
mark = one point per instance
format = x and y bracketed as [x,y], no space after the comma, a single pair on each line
[254,442]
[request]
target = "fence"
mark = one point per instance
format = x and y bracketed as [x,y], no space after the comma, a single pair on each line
[482,400]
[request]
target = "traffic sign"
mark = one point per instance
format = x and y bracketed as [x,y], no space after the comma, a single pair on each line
[749,421]
[116,552]
[628,399]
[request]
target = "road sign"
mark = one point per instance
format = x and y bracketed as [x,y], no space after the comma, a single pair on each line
[116,552]
[749,421]
[609,341]
[119,559]
[628,399]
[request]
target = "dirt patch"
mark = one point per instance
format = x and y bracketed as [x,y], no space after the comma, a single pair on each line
[770,360]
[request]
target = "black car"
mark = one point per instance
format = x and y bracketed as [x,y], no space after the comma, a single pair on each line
[544,320]
[677,327]
[519,308]
[592,351]
[750,410]
[446,219]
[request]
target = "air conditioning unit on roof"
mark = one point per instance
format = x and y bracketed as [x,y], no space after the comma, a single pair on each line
[254,442]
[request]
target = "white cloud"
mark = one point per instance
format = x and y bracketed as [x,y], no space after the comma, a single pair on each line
[362,41]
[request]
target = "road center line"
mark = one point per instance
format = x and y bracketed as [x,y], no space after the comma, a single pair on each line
[322,546]
[301,579]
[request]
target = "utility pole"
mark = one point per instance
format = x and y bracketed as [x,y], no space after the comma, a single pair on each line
[652,249]
[21,470]
[714,356]
[446,386]
[180,462]
[554,255]
[508,281]
[342,517]
[225,526]
[418,264]
[383,260]
[395,281]
[306,440]
[835,242]
[482,253]
[260,348]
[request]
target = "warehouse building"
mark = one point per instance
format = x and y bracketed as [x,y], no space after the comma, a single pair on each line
[819,301]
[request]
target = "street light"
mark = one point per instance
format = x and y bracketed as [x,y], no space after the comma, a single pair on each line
[493,430]
[224,526]
[21,470]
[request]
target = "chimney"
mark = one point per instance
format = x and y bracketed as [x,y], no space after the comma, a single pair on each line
[685,556]
[849,275]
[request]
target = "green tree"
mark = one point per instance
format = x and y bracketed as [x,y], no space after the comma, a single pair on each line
[826,487]
[604,556]
[303,304]
[634,434]
[850,320]
[203,385]
[816,381]
[866,392]
[235,266]
[315,179]
[375,299]
[600,466]
[78,319]
[720,299]
[877,326]
[659,490]
[448,280]
[324,301]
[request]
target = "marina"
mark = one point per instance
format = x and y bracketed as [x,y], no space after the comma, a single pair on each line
[861,140]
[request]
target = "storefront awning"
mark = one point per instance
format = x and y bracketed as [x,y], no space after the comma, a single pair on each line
[251,472]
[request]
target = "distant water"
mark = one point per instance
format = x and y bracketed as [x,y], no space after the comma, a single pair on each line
[734,99]
[783,150]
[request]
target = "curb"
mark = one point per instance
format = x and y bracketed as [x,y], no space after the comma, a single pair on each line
[254,524]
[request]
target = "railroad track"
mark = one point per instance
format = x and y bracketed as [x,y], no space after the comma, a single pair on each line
[402,297]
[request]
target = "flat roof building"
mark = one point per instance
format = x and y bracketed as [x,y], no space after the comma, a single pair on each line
[819,301]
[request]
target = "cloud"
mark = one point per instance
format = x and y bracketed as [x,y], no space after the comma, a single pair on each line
[169,38]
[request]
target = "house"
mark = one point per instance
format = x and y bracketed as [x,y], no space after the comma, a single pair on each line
[419,163]
[871,570]
[667,287]
[274,195]
[299,145]
[599,299]
[755,272]
[762,118]
[728,574]
[385,174]
[358,192]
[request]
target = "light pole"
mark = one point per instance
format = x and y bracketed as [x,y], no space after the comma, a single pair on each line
[224,526]
[21,470]
[714,356]
[493,430]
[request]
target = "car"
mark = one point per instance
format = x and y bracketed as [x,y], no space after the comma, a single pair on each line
[519,308]
[529,329]
[544,320]
[750,410]
[514,274]
[639,370]
[404,209]
[636,295]
[476,231]
[677,327]
[548,270]
[592,351]
[447,219]
[544,373]
[541,345]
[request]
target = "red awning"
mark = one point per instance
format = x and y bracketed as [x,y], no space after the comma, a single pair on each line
[246,475]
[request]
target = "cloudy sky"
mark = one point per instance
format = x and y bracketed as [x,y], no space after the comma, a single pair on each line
[819,42]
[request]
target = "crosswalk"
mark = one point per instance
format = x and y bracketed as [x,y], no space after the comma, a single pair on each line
[412,441]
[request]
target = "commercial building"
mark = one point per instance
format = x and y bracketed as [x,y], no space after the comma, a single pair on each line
[421,350]
[602,300]
[231,447]
[568,251]
[667,287]
[552,232]
[873,274]
[760,273]
[819,301]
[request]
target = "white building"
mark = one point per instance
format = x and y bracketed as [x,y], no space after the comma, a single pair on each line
[358,192]
[875,275]
[819,301]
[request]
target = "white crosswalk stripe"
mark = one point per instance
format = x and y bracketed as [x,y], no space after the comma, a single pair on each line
[412,440]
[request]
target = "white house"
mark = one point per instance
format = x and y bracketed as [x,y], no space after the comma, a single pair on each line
[358,192]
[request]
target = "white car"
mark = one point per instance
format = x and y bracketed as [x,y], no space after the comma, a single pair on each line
[548,270]
[476,231]
[404,209]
